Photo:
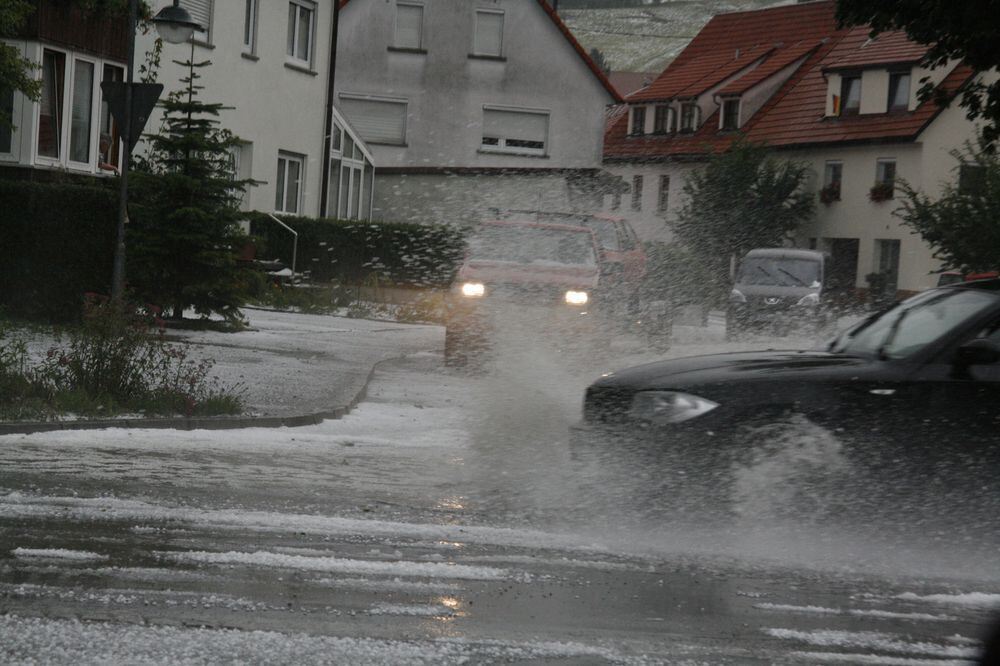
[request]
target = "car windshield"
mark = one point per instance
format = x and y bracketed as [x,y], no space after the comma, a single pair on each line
[607,235]
[908,327]
[779,271]
[532,245]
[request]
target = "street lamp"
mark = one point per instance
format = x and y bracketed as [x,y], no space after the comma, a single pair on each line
[175,25]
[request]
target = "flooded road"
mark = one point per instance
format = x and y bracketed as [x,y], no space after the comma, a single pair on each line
[445,521]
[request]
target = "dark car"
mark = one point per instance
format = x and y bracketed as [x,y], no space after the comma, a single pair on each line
[915,385]
[778,288]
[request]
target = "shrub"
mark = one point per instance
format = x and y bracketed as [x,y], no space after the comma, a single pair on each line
[114,361]
[352,252]
[58,240]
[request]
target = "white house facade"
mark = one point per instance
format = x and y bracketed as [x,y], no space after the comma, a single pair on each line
[271,64]
[469,105]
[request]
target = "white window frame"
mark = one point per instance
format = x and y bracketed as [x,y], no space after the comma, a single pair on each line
[95,111]
[301,160]
[502,147]
[17,119]
[695,118]
[476,50]
[724,117]
[880,166]
[635,128]
[395,26]
[69,74]
[291,58]
[252,10]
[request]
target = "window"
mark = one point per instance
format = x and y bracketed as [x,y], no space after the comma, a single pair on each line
[850,96]
[109,136]
[81,111]
[731,114]
[616,201]
[240,161]
[663,119]
[50,122]
[899,91]
[515,131]
[250,27]
[663,197]
[300,31]
[6,115]
[489,33]
[971,178]
[690,117]
[885,172]
[409,26]
[376,120]
[637,193]
[201,12]
[288,187]
[638,120]
[832,174]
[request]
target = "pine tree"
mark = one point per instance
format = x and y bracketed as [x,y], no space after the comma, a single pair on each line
[183,244]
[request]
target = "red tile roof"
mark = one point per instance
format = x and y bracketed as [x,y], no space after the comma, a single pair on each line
[795,114]
[587,60]
[627,83]
[857,50]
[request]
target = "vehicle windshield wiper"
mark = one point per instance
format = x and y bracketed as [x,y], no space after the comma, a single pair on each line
[765,271]
[793,276]
[882,355]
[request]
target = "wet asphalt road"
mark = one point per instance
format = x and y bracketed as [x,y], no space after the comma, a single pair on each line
[442,522]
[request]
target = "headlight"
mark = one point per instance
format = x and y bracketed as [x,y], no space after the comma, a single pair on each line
[809,299]
[473,289]
[577,297]
[661,407]
[736,296]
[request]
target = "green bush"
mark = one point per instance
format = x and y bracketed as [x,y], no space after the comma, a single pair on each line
[114,362]
[58,243]
[351,252]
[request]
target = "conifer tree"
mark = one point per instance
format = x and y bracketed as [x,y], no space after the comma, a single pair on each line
[185,236]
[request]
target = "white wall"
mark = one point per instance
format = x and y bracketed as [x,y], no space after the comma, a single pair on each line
[277,107]
[649,223]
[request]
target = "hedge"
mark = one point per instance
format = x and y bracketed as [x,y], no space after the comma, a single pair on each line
[58,243]
[352,252]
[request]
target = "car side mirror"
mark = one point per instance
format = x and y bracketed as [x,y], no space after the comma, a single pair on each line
[977,352]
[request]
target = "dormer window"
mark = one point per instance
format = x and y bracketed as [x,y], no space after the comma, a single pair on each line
[850,95]
[899,91]
[663,119]
[730,115]
[638,120]
[689,117]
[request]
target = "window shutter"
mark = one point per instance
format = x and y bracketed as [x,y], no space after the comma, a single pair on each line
[201,12]
[409,22]
[489,33]
[378,121]
[516,125]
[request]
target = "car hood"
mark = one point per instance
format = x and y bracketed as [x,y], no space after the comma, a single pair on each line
[733,367]
[580,277]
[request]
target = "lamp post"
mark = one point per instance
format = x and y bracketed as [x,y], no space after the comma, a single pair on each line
[175,25]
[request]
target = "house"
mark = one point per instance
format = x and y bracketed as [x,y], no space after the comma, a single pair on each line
[834,98]
[69,129]
[469,105]
[271,63]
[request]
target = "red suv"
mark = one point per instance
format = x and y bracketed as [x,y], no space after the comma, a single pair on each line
[541,276]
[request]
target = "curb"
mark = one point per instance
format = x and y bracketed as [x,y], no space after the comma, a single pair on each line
[203,423]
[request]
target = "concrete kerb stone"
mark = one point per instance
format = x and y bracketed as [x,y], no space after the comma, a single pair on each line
[204,423]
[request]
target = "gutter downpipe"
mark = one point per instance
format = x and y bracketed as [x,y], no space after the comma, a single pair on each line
[328,130]
[295,242]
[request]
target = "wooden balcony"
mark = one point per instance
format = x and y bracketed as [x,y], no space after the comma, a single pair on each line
[61,23]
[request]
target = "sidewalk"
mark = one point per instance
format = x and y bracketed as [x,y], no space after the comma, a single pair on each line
[294,369]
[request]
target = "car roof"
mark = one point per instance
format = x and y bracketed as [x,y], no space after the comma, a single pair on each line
[989,284]
[539,225]
[786,252]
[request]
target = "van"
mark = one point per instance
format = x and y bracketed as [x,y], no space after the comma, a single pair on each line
[778,288]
